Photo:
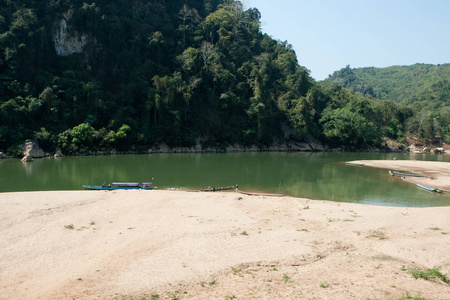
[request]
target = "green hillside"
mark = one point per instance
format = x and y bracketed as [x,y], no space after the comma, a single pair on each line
[427,84]
[126,75]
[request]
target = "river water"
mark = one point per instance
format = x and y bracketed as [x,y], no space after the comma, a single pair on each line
[314,175]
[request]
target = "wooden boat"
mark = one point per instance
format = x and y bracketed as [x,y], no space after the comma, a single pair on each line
[148,186]
[428,188]
[217,189]
[121,186]
[406,174]
[354,164]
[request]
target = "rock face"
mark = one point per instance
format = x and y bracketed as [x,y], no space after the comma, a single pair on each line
[306,144]
[32,150]
[67,41]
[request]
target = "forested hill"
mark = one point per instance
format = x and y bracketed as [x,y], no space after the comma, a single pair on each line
[118,74]
[428,84]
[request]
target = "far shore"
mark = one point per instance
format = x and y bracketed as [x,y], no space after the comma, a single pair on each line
[315,146]
[437,173]
[222,245]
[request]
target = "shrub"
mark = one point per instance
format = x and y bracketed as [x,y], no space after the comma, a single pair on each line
[430,274]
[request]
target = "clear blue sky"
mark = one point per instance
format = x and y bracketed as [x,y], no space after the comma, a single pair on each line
[327,35]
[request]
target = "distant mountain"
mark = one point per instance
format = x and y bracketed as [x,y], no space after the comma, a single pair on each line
[429,84]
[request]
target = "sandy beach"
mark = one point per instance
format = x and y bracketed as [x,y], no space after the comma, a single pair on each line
[437,173]
[222,245]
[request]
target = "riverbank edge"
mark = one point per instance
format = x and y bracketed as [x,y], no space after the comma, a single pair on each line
[165,149]
[195,150]
[437,173]
[31,149]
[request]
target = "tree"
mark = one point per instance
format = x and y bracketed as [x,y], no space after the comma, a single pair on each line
[187,15]
[82,137]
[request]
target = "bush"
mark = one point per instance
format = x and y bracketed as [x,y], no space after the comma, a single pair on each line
[447,138]
[430,275]
[45,139]
[15,151]
[77,140]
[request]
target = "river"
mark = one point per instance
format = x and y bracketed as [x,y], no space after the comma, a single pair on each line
[314,175]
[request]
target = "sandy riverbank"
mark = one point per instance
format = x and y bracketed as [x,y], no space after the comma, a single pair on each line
[438,173]
[194,245]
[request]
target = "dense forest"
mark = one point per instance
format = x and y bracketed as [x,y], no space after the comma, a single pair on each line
[402,84]
[423,87]
[129,74]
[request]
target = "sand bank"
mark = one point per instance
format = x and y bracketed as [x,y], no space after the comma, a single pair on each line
[111,245]
[438,173]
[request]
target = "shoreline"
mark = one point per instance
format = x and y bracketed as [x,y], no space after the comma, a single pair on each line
[122,244]
[437,173]
[164,149]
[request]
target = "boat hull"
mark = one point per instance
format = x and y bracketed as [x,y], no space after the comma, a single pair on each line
[428,188]
[407,174]
[112,188]
[218,189]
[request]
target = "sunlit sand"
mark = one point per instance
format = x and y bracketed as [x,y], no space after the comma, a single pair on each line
[113,245]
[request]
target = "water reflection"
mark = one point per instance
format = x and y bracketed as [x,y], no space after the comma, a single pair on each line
[309,175]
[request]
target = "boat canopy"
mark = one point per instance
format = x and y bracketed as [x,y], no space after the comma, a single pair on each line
[125,183]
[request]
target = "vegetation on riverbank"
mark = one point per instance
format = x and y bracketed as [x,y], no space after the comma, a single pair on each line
[96,76]
[423,88]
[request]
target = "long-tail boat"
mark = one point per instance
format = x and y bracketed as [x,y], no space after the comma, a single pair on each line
[406,174]
[121,186]
[428,188]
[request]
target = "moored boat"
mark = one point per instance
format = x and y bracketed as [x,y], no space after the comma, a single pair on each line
[356,164]
[148,186]
[121,186]
[428,188]
[406,174]
[216,189]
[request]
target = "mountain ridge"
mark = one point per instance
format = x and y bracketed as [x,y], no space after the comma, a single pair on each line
[401,84]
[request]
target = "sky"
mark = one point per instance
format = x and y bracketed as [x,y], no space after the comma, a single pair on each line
[328,35]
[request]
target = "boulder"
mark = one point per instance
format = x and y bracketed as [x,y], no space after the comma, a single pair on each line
[32,149]
[439,150]
[58,153]
[27,158]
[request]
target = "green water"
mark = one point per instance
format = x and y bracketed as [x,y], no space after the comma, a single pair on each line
[310,175]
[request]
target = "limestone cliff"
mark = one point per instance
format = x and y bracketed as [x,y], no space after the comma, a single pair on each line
[66,40]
